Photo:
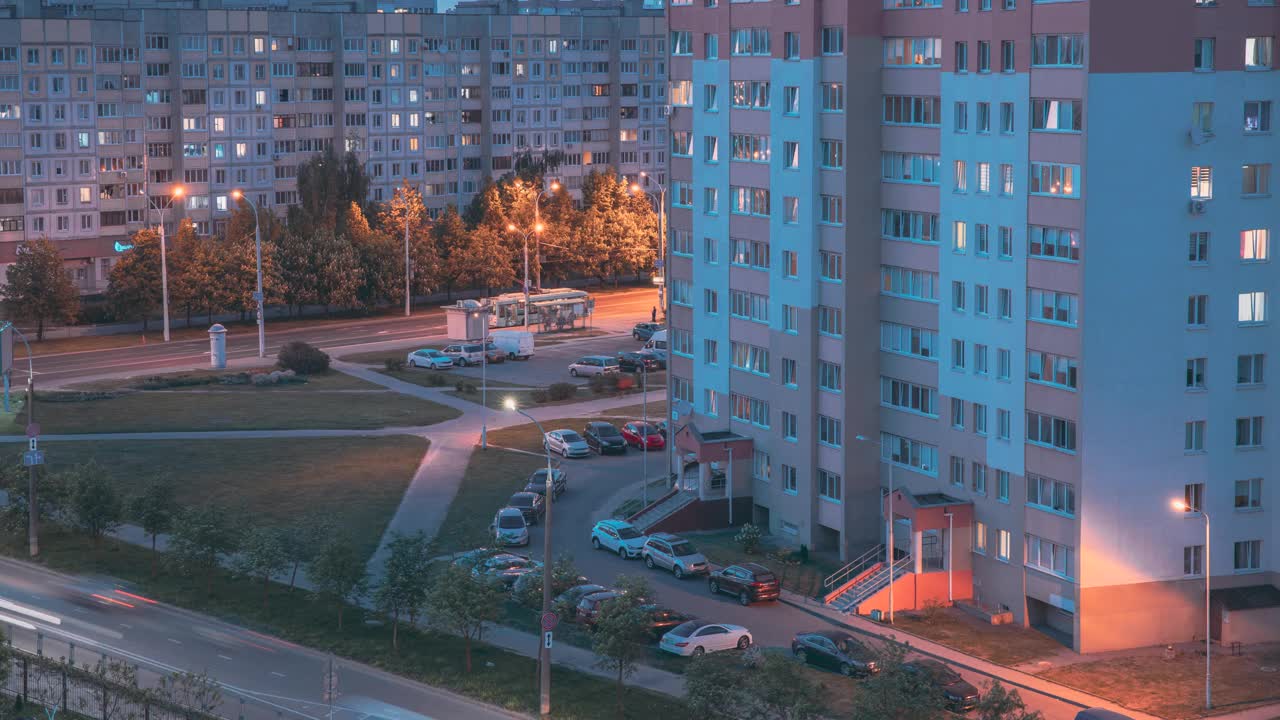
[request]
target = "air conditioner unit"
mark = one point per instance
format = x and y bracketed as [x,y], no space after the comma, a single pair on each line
[1197,136]
[1198,207]
[122,174]
[666,111]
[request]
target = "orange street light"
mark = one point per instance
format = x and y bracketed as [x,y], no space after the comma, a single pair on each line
[511,227]
[1180,505]
[555,186]
[178,191]
[237,194]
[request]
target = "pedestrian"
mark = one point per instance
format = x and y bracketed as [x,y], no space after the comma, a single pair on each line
[653,314]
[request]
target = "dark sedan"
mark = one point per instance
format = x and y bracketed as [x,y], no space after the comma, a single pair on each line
[751,582]
[604,438]
[531,505]
[662,620]
[957,694]
[834,650]
[635,362]
[645,330]
[537,482]
[568,600]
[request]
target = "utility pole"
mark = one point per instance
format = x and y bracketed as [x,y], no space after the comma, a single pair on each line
[407,293]
[33,432]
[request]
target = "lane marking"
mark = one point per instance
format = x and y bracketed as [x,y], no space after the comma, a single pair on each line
[41,616]
[126,626]
[175,642]
[277,674]
[224,657]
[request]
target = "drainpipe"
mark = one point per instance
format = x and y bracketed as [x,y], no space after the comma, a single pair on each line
[730,483]
[951,527]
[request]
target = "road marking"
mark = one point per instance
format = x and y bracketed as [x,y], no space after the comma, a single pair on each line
[277,674]
[126,626]
[224,657]
[175,642]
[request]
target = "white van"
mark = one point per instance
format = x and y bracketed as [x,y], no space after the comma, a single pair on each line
[658,344]
[517,344]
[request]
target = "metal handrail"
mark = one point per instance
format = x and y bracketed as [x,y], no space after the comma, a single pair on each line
[863,562]
[879,579]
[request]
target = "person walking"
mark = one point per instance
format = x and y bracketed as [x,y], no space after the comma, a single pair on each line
[653,314]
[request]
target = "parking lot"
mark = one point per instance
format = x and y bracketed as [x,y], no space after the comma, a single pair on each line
[551,361]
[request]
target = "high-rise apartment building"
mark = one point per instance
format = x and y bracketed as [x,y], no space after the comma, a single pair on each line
[101,108]
[1011,256]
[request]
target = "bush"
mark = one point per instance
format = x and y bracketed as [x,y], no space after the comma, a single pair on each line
[303,358]
[539,396]
[463,386]
[748,537]
[562,390]
[436,379]
[931,611]
[804,554]
[604,383]
[393,364]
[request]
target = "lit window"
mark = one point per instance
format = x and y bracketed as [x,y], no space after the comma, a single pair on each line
[1252,308]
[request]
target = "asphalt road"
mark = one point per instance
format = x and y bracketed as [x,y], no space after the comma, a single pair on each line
[614,310]
[276,679]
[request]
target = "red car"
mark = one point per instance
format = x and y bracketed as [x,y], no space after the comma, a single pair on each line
[638,434]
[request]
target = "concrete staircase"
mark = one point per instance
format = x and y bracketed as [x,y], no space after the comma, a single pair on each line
[868,583]
[662,508]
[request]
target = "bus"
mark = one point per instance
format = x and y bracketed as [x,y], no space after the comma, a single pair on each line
[554,309]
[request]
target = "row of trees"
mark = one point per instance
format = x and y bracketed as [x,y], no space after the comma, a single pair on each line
[336,250]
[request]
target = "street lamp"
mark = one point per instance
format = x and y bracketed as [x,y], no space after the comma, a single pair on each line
[1182,506]
[33,433]
[537,222]
[662,302]
[257,296]
[537,228]
[164,259]
[890,552]
[544,655]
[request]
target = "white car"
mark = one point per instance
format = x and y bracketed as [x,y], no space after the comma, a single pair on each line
[618,536]
[594,365]
[697,637]
[429,358]
[509,527]
[566,442]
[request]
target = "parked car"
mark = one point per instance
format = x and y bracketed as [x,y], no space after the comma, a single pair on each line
[835,650]
[593,365]
[465,353]
[658,356]
[645,330]
[657,344]
[696,637]
[957,693]
[635,362]
[494,354]
[641,434]
[618,536]
[525,584]
[471,558]
[504,568]
[517,344]
[532,505]
[674,553]
[569,598]
[509,527]
[537,482]
[663,620]
[588,610]
[566,442]
[1100,714]
[751,582]
[428,358]
[604,438]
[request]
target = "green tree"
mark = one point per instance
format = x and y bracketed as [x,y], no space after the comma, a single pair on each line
[96,507]
[775,688]
[463,605]
[113,688]
[202,538]
[134,289]
[424,259]
[154,509]
[195,692]
[564,575]
[302,541]
[404,580]
[320,268]
[1000,704]
[621,636]
[486,262]
[894,693]
[327,186]
[262,555]
[37,288]
[380,256]
[338,572]
[236,253]
[193,271]
[452,241]
[618,229]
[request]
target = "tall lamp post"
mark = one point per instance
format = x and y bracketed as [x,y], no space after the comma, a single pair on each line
[537,222]
[33,431]
[890,552]
[408,295]
[1182,506]
[537,229]
[257,296]
[663,297]
[164,256]
[544,655]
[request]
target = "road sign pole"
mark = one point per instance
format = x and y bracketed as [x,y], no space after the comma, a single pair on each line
[33,513]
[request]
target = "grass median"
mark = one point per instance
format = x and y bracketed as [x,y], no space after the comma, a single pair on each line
[492,476]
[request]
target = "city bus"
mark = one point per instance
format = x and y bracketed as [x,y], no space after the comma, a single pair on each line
[553,309]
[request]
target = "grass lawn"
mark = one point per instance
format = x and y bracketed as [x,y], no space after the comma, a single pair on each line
[1002,644]
[377,357]
[433,378]
[526,436]
[524,398]
[806,578]
[657,409]
[357,482]
[326,403]
[1175,688]
[425,656]
[332,380]
[491,478]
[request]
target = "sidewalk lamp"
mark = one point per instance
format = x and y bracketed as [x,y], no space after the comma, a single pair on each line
[164,258]
[890,552]
[664,260]
[1182,506]
[537,222]
[257,296]
[537,228]
[544,655]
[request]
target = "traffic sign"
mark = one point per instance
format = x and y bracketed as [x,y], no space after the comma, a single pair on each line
[32,442]
[33,429]
[32,457]
[546,639]
[658,263]
[549,620]
[257,296]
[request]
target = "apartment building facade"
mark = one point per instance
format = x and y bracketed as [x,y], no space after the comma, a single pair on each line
[104,111]
[1038,370]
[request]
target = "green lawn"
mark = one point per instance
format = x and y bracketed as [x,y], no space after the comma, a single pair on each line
[424,377]
[355,481]
[1002,644]
[425,656]
[657,409]
[803,578]
[329,402]
[527,437]
[491,477]
[377,357]
[524,398]
[332,380]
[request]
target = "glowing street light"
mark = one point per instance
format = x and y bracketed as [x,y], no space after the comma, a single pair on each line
[164,256]
[257,296]
[537,228]
[1183,506]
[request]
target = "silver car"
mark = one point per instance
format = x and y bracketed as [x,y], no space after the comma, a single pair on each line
[594,365]
[465,353]
[509,527]
[674,553]
[566,442]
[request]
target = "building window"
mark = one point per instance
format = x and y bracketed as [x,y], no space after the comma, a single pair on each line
[1004,423]
[1203,56]
[789,484]
[980,537]
[1002,485]
[1050,557]
[761,468]
[830,376]
[957,296]
[710,402]
[789,372]
[1193,441]
[1249,432]
[828,485]
[1247,555]
[1057,51]
[1195,373]
[748,409]
[1257,116]
[790,425]
[830,431]
[1056,115]
[1197,311]
[1005,303]
[832,41]
[909,453]
[1054,179]
[1051,369]
[908,396]
[1249,369]
[1046,493]
[1049,431]
[1257,53]
[1255,245]
[1252,308]
[1193,560]
[981,299]
[1052,307]
[961,176]
[962,57]
[957,413]
[1202,182]
[957,471]
[979,479]
[1256,179]
[1248,494]
[1198,248]
[960,116]
[1006,545]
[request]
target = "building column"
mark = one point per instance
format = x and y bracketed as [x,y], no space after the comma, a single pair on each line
[917,545]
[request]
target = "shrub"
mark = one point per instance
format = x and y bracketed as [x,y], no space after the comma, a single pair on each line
[540,396]
[436,379]
[303,358]
[748,537]
[562,390]
[804,554]
[463,386]
[393,364]
[601,384]
[931,611]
